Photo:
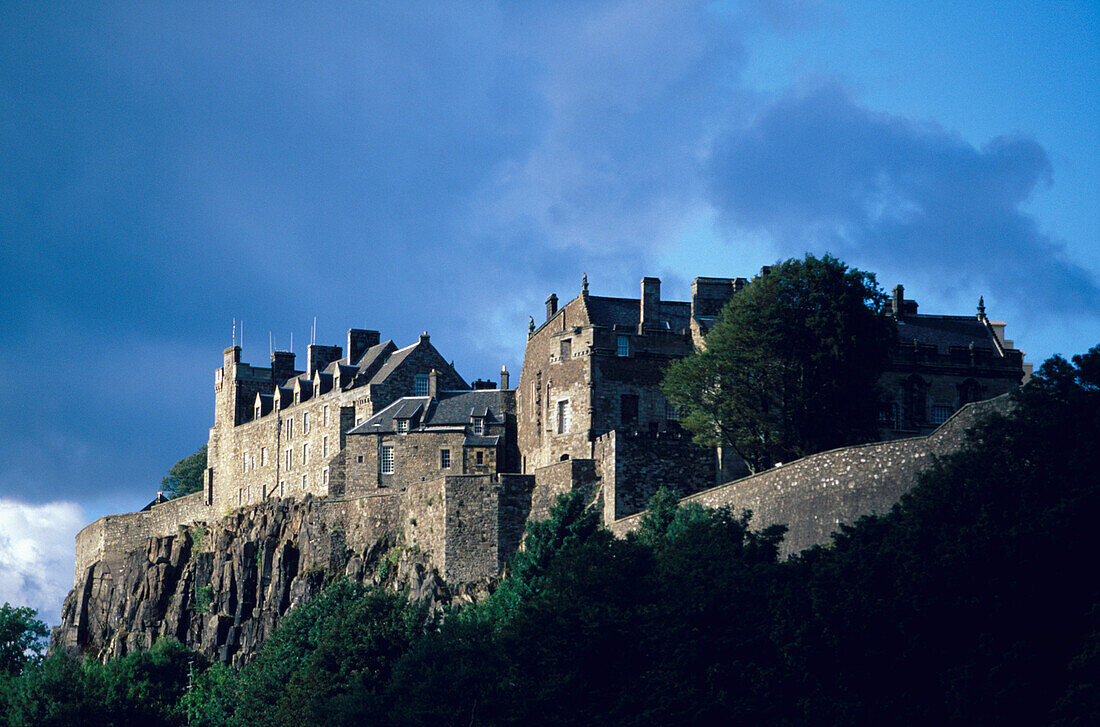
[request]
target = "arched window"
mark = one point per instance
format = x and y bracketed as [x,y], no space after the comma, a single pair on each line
[969,391]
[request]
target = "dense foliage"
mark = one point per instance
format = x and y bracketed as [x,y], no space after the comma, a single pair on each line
[21,638]
[791,365]
[970,603]
[185,476]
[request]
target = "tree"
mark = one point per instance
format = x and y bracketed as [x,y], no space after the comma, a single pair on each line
[185,476]
[21,638]
[791,366]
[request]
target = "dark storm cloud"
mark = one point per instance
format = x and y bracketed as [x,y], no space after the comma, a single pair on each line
[816,171]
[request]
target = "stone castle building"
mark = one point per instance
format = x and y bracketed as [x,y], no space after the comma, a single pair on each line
[277,429]
[393,442]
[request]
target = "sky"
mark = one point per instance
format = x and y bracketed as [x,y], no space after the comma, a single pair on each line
[168,169]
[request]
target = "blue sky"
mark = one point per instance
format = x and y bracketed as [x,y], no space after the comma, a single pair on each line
[444,167]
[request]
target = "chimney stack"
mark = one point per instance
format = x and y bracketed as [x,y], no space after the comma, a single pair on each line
[650,313]
[359,341]
[551,305]
[282,366]
[433,384]
[504,378]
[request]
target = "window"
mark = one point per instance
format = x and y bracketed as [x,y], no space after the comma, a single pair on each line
[940,414]
[305,422]
[305,482]
[479,425]
[257,411]
[623,346]
[324,447]
[672,412]
[282,488]
[305,454]
[290,428]
[359,459]
[479,457]
[402,426]
[244,461]
[297,397]
[289,458]
[629,404]
[420,385]
[566,349]
[324,477]
[387,460]
[263,456]
[563,408]
[444,459]
[324,416]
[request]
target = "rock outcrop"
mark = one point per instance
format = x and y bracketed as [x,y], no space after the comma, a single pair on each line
[221,588]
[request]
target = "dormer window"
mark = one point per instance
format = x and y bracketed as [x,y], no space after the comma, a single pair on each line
[479,425]
[622,346]
[420,385]
[297,397]
[402,426]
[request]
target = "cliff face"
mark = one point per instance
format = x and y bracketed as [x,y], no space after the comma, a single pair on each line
[220,588]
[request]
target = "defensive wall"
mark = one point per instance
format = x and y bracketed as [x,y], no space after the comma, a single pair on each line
[634,465]
[111,537]
[813,495]
[470,525]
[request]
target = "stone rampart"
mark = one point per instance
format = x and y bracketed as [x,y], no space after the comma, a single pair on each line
[111,537]
[633,466]
[813,495]
[558,479]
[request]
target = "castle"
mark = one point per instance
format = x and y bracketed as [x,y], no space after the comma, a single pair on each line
[394,441]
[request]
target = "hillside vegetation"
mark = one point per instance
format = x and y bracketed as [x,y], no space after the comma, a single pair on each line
[974,601]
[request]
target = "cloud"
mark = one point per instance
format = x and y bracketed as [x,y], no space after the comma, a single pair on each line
[36,554]
[817,171]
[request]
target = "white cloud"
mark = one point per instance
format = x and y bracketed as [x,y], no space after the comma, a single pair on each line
[37,554]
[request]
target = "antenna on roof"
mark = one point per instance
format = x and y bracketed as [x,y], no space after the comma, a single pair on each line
[270,343]
[242,333]
[234,331]
[292,340]
[313,332]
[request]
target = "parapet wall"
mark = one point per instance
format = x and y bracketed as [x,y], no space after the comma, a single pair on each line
[635,466]
[813,495]
[111,537]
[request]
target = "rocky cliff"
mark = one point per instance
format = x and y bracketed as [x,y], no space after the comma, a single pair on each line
[221,587]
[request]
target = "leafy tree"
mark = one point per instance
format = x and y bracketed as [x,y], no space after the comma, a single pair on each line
[185,476]
[21,638]
[791,366]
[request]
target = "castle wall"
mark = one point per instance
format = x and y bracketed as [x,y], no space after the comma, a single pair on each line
[111,537]
[557,479]
[635,465]
[813,495]
[472,535]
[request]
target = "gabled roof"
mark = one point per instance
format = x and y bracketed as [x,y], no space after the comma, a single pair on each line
[395,360]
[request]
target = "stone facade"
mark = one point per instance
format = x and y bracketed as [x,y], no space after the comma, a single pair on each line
[277,430]
[940,364]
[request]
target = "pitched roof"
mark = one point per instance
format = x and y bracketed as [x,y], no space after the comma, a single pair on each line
[945,331]
[675,315]
[451,409]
